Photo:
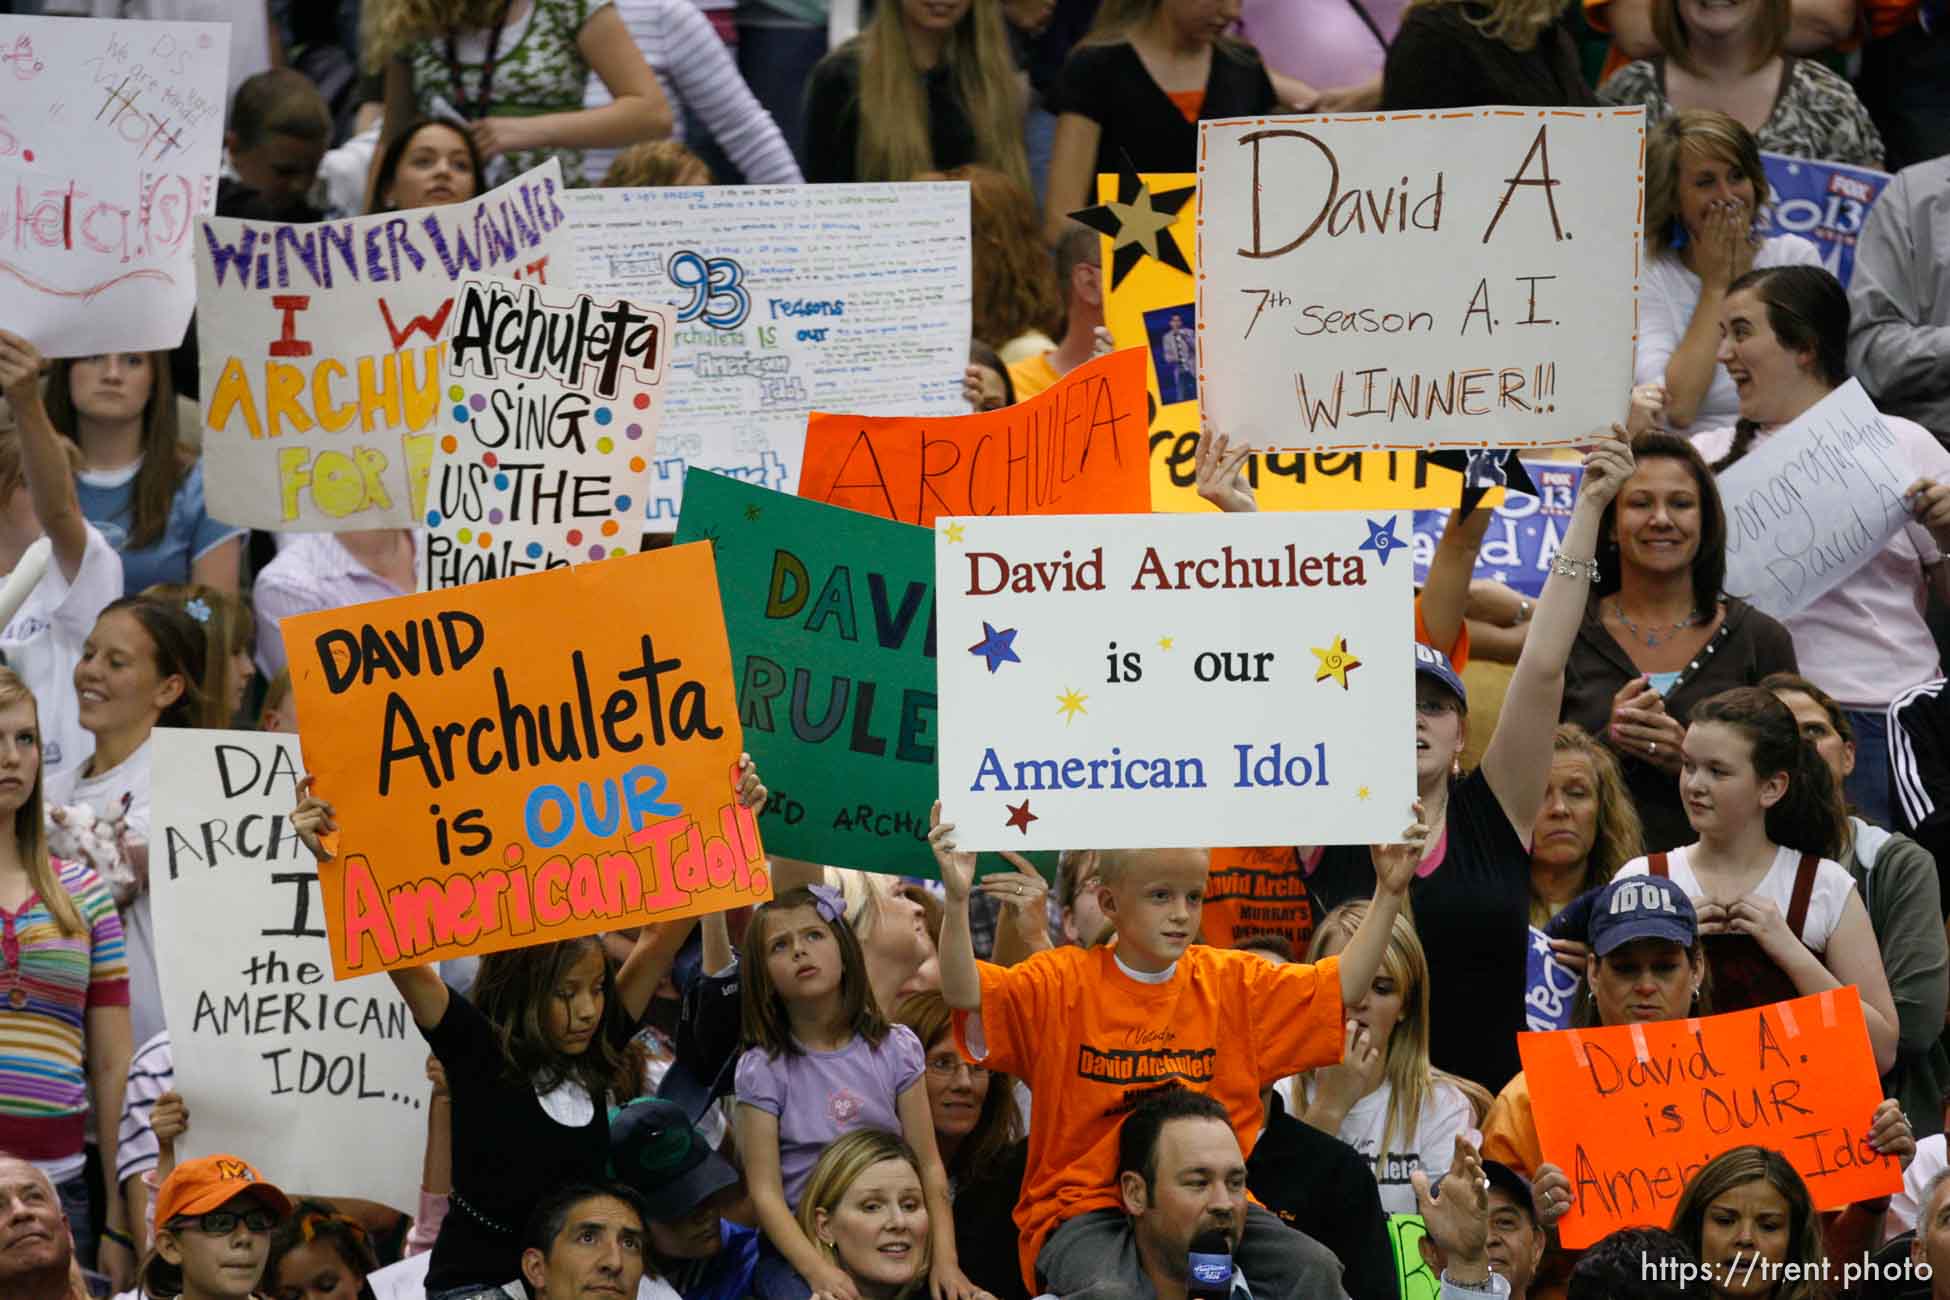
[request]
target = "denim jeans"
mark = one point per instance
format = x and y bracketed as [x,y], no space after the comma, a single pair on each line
[81,1217]
[1867,788]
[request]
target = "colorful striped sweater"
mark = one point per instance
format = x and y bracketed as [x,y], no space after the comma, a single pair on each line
[43,1062]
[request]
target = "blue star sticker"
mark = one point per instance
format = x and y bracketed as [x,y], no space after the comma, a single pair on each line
[997,647]
[1382,541]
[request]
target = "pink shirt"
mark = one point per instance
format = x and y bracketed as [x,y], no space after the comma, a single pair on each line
[1324,43]
[1865,641]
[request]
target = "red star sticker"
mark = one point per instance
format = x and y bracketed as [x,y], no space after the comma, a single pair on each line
[1020,816]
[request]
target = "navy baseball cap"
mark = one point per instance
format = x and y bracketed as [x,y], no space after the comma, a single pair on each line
[655,1150]
[1511,1184]
[1433,663]
[1641,907]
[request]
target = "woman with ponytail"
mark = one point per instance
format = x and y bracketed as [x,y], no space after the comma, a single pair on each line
[1779,916]
[929,86]
[1784,342]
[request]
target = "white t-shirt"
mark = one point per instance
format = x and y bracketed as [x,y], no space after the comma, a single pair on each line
[104,793]
[1932,1158]
[1865,641]
[1830,895]
[43,644]
[1667,300]
[1446,1114]
[407,1280]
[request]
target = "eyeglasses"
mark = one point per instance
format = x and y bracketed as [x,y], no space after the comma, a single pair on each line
[944,1067]
[221,1223]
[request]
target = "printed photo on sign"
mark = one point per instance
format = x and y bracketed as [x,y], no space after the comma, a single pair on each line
[273,1055]
[111,135]
[1174,352]
[526,760]
[1458,278]
[1172,681]
[323,350]
[784,301]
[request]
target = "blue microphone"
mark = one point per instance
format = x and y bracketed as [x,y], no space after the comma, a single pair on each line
[1209,1276]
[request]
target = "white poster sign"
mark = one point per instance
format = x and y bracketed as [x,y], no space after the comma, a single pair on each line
[547,432]
[1163,681]
[319,401]
[325,1082]
[111,133]
[1813,502]
[787,300]
[1462,278]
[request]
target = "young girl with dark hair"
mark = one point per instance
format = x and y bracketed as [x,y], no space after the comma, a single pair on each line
[427,165]
[318,1254]
[141,668]
[823,1061]
[532,1058]
[1864,641]
[140,483]
[1780,918]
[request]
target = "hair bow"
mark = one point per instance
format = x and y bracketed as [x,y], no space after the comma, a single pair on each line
[829,902]
[198,609]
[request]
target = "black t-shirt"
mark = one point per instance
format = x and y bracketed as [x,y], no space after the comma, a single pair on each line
[1321,1186]
[1441,59]
[508,1153]
[833,120]
[985,1225]
[1135,117]
[1472,914]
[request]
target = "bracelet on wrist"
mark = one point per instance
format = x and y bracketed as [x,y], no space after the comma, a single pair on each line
[119,1238]
[1587,569]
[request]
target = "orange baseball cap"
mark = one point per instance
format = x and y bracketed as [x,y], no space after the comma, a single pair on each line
[211,1182]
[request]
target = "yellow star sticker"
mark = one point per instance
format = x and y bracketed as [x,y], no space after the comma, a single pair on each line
[953,532]
[1140,222]
[1362,793]
[1335,662]
[1164,643]
[1069,704]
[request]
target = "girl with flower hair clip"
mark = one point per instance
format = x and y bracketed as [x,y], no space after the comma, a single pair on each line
[230,634]
[823,1061]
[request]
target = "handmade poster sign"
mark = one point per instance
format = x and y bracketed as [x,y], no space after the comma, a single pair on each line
[1523,535]
[1814,502]
[323,346]
[1139,310]
[111,133]
[786,300]
[547,430]
[1446,279]
[1825,203]
[277,1056]
[1165,681]
[1631,1112]
[526,760]
[1078,447]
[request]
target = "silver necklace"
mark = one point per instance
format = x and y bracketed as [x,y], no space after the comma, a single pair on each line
[1654,637]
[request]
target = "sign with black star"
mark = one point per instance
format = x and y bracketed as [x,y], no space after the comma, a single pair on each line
[1484,468]
[1139,224]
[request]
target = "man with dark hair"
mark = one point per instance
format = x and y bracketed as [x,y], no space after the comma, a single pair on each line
[1515,1246]
[585,1242]
[1638,1264]
[1079,275]
[279,130]
[36,1250]
[686,1187]
[1269,945]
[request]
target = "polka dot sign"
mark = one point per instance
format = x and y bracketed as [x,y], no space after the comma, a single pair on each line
[541,459]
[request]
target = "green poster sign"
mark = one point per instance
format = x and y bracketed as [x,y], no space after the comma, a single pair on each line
[831,618]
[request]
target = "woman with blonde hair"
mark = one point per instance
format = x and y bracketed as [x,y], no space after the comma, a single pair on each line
[1704,190]
[1132,94]
[65,1040]
[864,1210]
[926,87]
[1466,53]
[513,72]
[892,929]
[1384,1099]
[1587,828]
[1731,57]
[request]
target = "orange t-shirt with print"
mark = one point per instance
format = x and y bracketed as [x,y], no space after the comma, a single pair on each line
[1090,1042]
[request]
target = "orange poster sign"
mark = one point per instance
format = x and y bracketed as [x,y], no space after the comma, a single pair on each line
[526,760]
[1079,447]
[1631,1112]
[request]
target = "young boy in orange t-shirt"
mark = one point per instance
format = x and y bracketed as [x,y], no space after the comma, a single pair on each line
[1092,1031]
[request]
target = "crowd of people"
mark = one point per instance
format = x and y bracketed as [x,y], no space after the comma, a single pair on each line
[872,1087]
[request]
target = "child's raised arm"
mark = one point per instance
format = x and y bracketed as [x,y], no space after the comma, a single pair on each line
[961,984]
[1394,868]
